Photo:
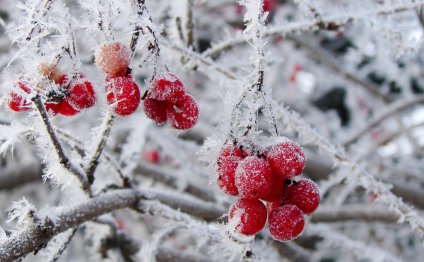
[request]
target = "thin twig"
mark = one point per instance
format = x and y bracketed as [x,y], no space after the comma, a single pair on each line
[391,110]
[32,21]
[189,24]
[63,158]
[355,212]
[315,24]
[327,59]
[101,143]
[64,245]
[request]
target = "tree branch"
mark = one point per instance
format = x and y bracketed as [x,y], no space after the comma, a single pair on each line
[37,236]
[356,212]
[314,24]
[391,110]
[63,158]
[101,143]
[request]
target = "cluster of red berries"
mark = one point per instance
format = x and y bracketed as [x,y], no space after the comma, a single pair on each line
[122,92]
[167,100]
[74,95]
[267,177]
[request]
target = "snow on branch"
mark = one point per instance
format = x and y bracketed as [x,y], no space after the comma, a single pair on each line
[35,237]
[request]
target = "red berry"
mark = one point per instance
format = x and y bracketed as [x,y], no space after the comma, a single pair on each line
[304,194]
[81,95]
[184,113]
[123,95]
[286,222]
[52,107]
[66,109]
[286,159]
[18,103]
[151,156]
[276,192]
[113,58]
[253,177]
[268,5]
[231,150]
[248,216]
[155,109]
[167,88]
[226,174]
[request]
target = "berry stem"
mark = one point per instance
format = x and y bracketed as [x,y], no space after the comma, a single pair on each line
[103,136]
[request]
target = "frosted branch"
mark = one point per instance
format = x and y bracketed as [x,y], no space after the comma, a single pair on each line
[390,111]
[63,158]
[101,143]
[35,237]
[315,24]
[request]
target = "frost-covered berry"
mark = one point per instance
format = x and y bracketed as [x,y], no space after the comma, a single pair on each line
[286,222]
[276,192]
[52,107]
[248,216]
[155,109]
[167,88]
[286,159]
[18,103]
[81,95]
[123,95]
[183,114]
[113,58]
[226,174]
[253,177]
[231,150]
[304,194]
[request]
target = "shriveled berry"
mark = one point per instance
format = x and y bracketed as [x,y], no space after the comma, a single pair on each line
[184,113]
[52,72]
[113,58]
[155,109]
[248,216]
[304,194]
[253,177]
[123,95]
[286,222]
[226,174]
[286,159]
[18,103]
[277,187]
[167,88]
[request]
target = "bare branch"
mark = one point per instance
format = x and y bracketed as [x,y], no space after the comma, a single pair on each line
[326,58]
[390,111]
[357,212]
[189,24]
